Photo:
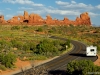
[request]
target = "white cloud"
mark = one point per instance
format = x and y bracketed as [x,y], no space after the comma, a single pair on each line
[73,2]
[0,13]
[61,3]
[24,8]
[29,2]
[62,12]
[74,5]
[93,14]
[9,16]
[98,6]
[20,12]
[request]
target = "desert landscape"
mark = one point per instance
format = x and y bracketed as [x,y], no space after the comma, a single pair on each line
[44,41]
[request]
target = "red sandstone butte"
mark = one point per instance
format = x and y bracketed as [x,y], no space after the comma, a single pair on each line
[35,19]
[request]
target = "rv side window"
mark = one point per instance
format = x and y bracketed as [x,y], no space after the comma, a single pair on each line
[92,50]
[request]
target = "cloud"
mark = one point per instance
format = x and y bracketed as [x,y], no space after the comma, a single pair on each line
[74,5]
[73,2]
[25,8]
[61,3]
[29,2]
[0,13]
[98,6]
[93,14]
[9,16]
[62,12]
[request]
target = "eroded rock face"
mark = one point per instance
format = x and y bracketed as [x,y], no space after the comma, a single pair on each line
[84,19]
[26,16]
[2,19]
[21,18]
[14,20]
[36,19]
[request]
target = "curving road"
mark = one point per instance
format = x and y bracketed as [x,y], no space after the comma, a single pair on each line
[77,53]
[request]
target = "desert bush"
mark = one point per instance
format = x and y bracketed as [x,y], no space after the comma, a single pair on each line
[2,67]
[25,27]
[17,44]
[46,46]
[29,46]
[15,28]
[8,59]
[81,67]
[39,30]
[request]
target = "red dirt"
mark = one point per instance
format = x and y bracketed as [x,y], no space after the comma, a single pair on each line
[26,64]
[97,62]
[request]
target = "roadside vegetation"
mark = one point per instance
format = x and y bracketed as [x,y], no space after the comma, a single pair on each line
[33,42]
[27,43]
[82,67]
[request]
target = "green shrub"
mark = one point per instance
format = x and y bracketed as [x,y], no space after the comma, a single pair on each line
[17,44]
[25,27]
[39,29]
[15,28]
[29,46]
[2,67]
[81,67]
[8,59]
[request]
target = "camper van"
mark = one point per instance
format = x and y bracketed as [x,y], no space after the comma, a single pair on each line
[91,51]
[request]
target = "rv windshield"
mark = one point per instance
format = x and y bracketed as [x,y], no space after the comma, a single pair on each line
[92,50]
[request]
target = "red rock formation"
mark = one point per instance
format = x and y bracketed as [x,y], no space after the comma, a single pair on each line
[49,20]
[36,19]
[14,20]
[66,21]
[21,18]
[83,20]
[2,19]
[26,16]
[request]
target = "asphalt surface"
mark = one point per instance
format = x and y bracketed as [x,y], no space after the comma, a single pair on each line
[59,64]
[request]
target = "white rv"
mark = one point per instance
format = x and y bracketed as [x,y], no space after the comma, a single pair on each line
[91,51]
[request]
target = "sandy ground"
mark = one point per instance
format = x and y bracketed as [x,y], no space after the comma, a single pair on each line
[24,65]
[97,62]
[27,64]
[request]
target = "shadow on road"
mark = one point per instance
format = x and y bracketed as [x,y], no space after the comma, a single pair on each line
[57,72]
[78,54]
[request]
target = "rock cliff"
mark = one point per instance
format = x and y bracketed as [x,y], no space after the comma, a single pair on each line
[35,19]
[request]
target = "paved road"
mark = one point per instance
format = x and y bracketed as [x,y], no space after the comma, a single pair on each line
[77,53]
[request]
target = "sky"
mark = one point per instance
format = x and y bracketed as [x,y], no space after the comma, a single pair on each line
[55,8]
